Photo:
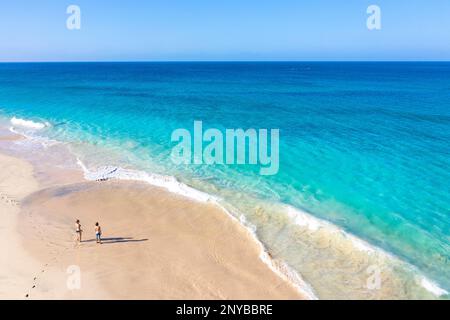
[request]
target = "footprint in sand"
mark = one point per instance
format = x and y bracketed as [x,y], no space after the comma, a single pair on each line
[8,199]
[35,278]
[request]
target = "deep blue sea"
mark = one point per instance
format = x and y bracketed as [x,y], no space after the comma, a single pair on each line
[364,148]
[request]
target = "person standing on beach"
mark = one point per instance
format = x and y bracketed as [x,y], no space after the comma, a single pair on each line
[98,233]
[78,230]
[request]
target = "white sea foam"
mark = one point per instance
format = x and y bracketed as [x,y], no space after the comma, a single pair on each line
[280,268]
[31,137]
[432,287]
[314,224]
[167,182]
[305,219]
[28,123]
[288,274]
[29,129]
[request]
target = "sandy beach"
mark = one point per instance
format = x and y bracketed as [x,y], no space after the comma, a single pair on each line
[16,264]
[156,245]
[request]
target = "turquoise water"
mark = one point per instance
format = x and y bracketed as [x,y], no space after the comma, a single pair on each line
[364,146]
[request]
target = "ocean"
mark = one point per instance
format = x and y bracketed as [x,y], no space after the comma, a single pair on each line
[364,157]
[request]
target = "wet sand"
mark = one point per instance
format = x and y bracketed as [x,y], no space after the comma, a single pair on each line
[11,137]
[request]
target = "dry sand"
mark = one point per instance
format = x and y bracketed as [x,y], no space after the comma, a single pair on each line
[16,265]
[157,245]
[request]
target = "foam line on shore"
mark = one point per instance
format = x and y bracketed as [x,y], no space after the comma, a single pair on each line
[28,129]
[307,220]
[432,287]
[167,182]
[314,224]
[28,123]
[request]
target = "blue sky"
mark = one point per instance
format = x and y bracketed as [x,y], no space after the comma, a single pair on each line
[116,30]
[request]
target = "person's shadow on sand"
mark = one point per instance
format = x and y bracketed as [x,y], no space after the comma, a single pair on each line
[117,239]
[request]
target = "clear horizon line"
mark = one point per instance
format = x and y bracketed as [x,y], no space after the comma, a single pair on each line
[200,61]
